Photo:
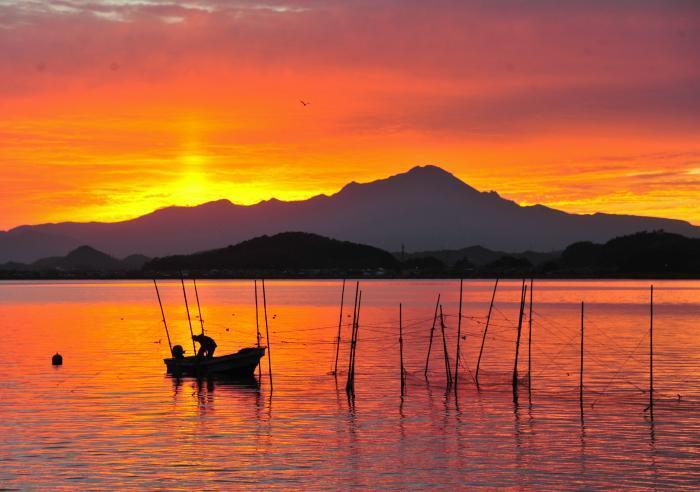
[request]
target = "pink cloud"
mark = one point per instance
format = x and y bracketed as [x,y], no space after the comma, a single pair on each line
[487,66]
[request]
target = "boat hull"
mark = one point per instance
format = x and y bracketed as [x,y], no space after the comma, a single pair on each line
[242,364]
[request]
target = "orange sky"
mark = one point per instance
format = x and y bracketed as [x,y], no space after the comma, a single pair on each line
[112,108]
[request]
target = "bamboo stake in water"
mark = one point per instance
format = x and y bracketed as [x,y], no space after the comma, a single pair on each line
[267,334]
[432,331]
[199,309]
[459,333]
[167,332]
[257,315]
[448,372]
[357,336]
[349,384]
[351,377]
[187,307]
[403,382]
[486,329]
[520,326]
[580,384]
[257,323]
[529,343]
[651,350]
[340,324]
[352,332]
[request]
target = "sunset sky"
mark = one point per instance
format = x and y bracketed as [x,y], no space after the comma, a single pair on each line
[112,108]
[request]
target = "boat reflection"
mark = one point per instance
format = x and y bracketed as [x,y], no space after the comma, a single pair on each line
[210,383]
[233,390]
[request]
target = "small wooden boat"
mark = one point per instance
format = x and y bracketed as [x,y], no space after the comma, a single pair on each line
[242,364]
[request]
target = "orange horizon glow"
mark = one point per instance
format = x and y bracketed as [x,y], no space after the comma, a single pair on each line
[112,109]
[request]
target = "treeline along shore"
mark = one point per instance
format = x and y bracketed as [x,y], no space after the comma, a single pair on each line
[656,254]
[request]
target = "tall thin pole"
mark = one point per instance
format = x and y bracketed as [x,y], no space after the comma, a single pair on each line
[187,307]
[403,382]
[167,332]
[651,350]
[520,326]
[257,315]
[257,323]
[348,384]
[448,372]
[199,309]
[432,331]
[267,334]
[529,341]
[352,329]
[580,384]
[357,334]
[340,324]
[459,333]
[486,329]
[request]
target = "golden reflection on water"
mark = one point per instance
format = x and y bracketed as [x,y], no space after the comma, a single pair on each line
[110,417]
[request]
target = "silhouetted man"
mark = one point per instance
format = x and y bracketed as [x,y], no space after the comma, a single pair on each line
[178,352]
[207,345]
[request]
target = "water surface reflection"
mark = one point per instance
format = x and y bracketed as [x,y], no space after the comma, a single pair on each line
[110,417]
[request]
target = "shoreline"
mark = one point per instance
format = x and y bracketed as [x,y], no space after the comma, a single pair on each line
[352,275]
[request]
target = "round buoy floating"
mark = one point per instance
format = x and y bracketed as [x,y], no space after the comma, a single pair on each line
[57,359]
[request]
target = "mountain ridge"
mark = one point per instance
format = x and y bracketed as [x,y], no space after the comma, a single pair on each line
[425,208]
[284,251]
[292,254]
[81,259]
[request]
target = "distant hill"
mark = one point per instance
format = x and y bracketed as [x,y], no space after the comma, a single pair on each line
[479,256]
[643,253]
[656,253]
[281,252]
[81,260]
[426,208]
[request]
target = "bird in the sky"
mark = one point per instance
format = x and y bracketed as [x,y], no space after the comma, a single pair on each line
[304,103]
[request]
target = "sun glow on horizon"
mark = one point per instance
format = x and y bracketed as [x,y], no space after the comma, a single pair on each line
[111,110]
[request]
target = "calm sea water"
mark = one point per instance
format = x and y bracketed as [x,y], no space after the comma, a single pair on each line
[111,418]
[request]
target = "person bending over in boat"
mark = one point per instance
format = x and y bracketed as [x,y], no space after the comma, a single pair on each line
[207,345]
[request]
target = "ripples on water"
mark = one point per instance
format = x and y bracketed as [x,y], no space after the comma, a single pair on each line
[110,417]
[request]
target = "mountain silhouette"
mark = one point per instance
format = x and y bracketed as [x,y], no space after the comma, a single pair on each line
[82,259]
[654,252]
[480,256]
[426,208]
[285,251]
